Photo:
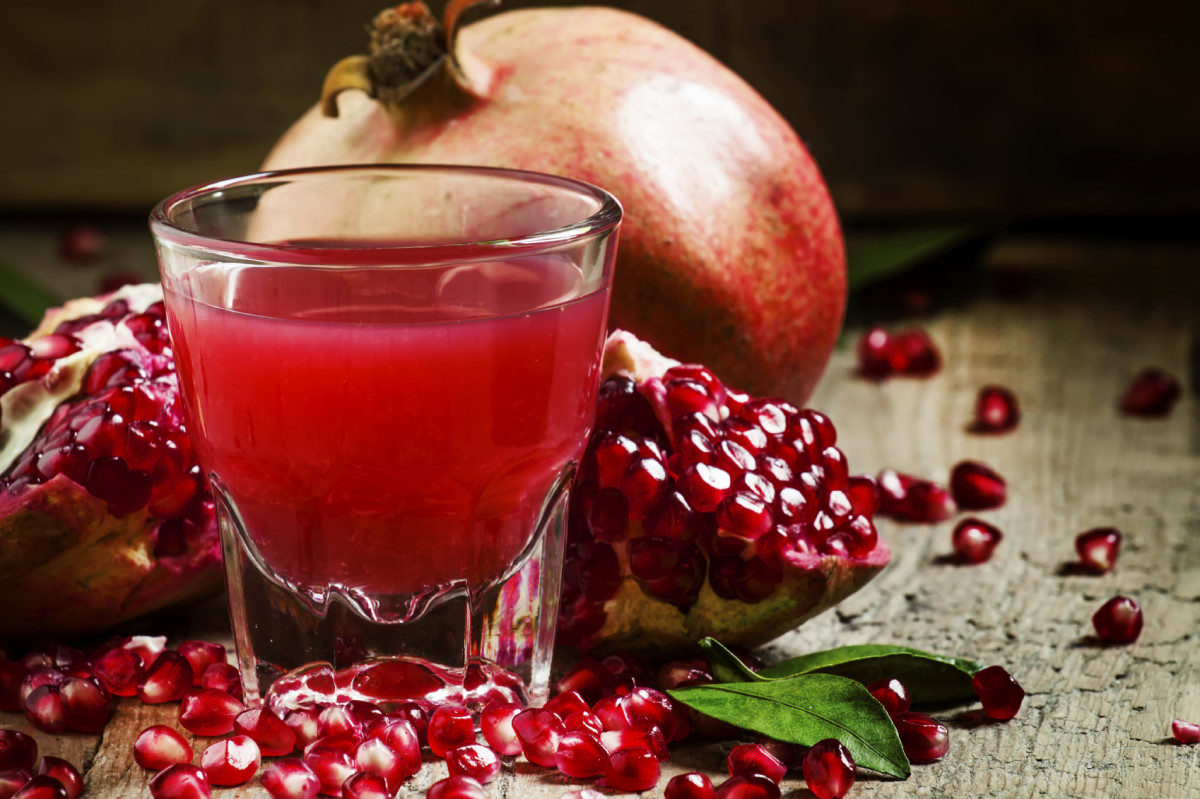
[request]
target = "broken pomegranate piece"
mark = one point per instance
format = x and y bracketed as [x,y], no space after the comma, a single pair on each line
[700,511]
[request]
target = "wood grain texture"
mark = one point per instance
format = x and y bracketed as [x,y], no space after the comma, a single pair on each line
[1096,722]
[910,106]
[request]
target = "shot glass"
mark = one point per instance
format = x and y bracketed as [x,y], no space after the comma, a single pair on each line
[389,373]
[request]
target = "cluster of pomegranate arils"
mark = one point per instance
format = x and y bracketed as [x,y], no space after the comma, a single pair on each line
[122,438]
[737,486]
[976,486]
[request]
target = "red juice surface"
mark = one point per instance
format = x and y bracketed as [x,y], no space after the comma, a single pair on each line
[388,430]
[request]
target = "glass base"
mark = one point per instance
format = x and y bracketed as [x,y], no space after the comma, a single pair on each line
[464,646]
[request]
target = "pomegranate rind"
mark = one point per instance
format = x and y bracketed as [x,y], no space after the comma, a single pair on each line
[68,566]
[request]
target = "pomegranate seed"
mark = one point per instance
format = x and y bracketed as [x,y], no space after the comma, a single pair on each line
[584,721]
[81,244]
[13,780]
[644,705]
[450,727]
[566,703]
[303,724]
[42,786]
[64,772]
[891,694]
[232,761]
[374,756]
[290,778]
[692,785]
[17,750]
[1153,392]
[335,720]
[996,410]
[747,759]
[631,770]
[1098,549]
[365,786]
[36,678]
[539,732]
[913,353]
[331,764]
[976,486]
[586,793]
[644,736]
[580,755]
[705,486]
[146,647]
[828,769]
[160,746]
[223,677]
[923,737]
[181,781]
[587,677]
[1185,732]
[873,349]
[457,787]
[1000,694]
[200,655]
[168,679]
[120,670]
[974,540]
[44,709]
[401,736]
[748,786]
[911,499]
[475,761]
[209,712]
[274,737]
[1118,621]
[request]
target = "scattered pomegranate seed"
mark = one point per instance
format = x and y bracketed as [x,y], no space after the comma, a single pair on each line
[631,770]
[580,755]
[911,499]
[223,677]
[748,786]
[120,670]
[364,785]
[337,719]
[828,769]
[923,737]
[232,761]
[1185,732]
[17,750]
[450,727]
[168,679]
[974,540]
[999,692]
[747,759]
[645,705]
[290,778]
[66,774]
[584,721]
[996,410]
[81,244]
[566,703]
[273,736]
[182,781]
[42,786]
[332,765]
[402,737]
[539,732]
[892,695]
[373,756]
[200,655]
[44,709]
[303,724]
[159,746]
[13,780]
[1118,621]
[873,349]
[146,647]
[976,486]
[457,787]
[209,712]
[692,785]
[1098,549]
[476,761]
[1153,392]
[587,677]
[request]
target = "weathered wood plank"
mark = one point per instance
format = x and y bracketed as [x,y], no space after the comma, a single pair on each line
[1096,722]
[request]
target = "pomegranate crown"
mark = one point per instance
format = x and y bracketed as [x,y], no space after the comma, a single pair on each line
[407,47]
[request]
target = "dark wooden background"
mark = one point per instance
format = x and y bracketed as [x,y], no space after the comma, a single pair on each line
[912,107]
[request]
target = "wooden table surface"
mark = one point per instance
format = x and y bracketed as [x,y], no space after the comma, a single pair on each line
[1096,721]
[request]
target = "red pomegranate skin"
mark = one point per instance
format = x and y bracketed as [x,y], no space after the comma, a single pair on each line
[731,253]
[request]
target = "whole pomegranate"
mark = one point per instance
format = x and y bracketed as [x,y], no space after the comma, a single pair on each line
[104,514]
[730,254]
[698,510]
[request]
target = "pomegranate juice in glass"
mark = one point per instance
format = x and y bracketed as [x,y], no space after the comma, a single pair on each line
[390,374]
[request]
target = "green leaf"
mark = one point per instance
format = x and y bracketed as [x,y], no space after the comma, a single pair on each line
[806,709]
[928,677]
[726,666]
[26,299]
[877,257]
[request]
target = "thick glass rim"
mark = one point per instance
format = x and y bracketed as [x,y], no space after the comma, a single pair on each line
[605,219]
